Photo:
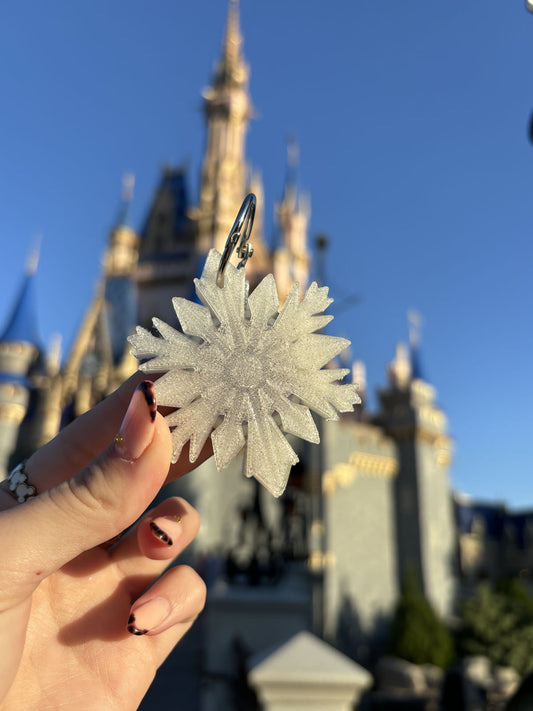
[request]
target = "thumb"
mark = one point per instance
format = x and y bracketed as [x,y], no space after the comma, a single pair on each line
[97,503]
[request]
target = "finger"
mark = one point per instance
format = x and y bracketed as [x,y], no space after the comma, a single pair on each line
[84,438]
[162,534]
[97,503]
[175,600]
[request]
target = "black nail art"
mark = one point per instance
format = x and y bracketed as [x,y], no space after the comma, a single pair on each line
[159,533]
[132,628]
[147,388]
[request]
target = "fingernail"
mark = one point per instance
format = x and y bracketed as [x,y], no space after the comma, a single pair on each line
[137,428]
[166,528]
[148,616]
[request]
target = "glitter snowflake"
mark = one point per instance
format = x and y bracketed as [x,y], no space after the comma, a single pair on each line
[244,372]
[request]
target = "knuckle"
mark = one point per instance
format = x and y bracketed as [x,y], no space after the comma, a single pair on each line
[87,487]
[87,490]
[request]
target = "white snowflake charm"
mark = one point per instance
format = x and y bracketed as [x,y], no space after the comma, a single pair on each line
[244,372]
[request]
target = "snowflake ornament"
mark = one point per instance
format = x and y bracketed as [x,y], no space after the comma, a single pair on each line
[245,373]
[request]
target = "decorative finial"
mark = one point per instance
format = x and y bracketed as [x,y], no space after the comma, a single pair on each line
[359,374]
[400,368]
[415,327]
[128,186]
[359,377]
[233,15]
[233,38]
[231,67]
[32,260]
[293,158]
[293,152]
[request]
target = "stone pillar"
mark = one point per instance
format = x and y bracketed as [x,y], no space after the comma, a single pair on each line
[306,674]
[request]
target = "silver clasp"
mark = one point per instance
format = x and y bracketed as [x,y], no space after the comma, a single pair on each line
[241,230]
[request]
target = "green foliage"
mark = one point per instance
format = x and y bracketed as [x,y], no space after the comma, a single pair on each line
[417,634]
[498,623]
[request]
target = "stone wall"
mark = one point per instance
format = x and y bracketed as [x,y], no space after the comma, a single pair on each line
[360,566]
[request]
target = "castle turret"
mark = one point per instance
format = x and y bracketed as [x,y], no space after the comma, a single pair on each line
[260,264]
[423,506]
[359,379]
[228,109]
[291,257]
[99,359]
[121,257]
[19,356]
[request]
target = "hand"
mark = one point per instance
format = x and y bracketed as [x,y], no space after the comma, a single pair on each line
[78,627]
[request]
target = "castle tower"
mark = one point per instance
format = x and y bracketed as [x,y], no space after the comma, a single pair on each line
[19,356]
[261,263]
[100,360]
[168,259]
[228,109]
[423,506]
[291,261]
[359,379]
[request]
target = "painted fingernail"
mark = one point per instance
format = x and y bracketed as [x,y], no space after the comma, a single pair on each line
[137,431]
[148,616]
[166,528]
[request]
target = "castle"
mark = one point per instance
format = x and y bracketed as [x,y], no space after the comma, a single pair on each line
[369,504]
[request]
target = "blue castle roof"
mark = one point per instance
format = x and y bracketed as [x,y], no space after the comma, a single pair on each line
[497,521]
[174,181]
[22,324]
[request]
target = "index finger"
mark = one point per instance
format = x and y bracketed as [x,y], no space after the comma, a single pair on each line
[88,435]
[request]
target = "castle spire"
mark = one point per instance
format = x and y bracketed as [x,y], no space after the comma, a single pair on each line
[415,326]
[291,257]
[123,246]
[399,369]
[293,160]
[228,109]
[19,356]
[231,68]
[99,358]
[22,323]
[128,187]
[32,260]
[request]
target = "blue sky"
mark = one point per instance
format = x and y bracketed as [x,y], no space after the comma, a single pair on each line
[412,123]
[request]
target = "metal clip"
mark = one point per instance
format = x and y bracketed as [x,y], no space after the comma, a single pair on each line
[241,230]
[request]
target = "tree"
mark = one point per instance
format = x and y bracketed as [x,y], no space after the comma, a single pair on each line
[417,633]
[498,623]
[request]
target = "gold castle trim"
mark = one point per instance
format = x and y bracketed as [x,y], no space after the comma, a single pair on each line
[319,561]
[359,464]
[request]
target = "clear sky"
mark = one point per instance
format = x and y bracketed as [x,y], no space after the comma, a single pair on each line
[412,122]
